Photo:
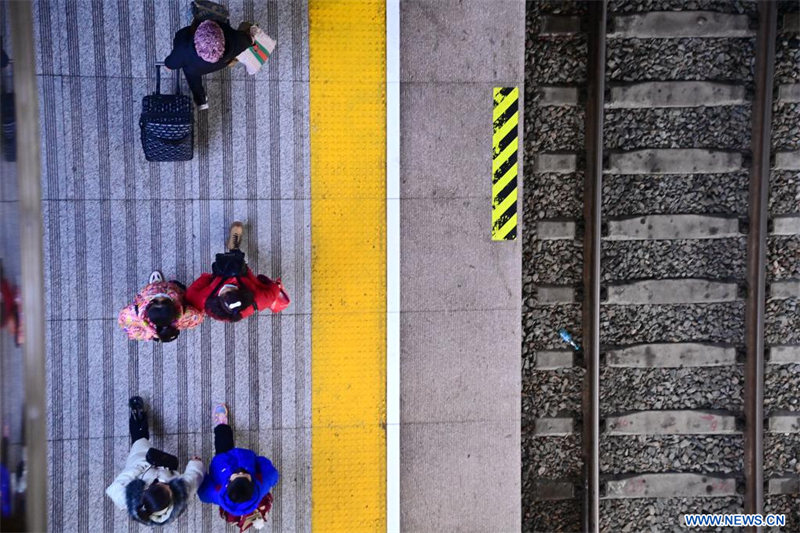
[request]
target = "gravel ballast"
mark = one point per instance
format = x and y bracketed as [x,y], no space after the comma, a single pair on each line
[540,517]
[784,193]
[638,389]
[648,514]
[705,194]
[786,127]
[633,324]
[558,60]
[783,257]
[624,7]
[781,454]
[553,458]
[720,259]
[787,57]
[671,453]
[680,59]
[556,129]
[551,393]
[785,504]
[541,325]
[719,127]
[557,262]
[781,386]
[782,322]
[549,196]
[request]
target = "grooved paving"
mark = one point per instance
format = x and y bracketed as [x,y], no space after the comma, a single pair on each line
[111,217]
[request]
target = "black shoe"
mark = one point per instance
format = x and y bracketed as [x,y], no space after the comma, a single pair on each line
[136,405]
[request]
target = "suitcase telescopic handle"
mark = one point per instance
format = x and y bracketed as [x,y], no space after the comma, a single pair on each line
[160,64]
[158,77]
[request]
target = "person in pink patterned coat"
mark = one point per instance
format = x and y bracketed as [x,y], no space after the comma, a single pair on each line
[159,312]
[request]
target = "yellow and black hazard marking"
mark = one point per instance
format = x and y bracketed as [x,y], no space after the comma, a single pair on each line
[504,163]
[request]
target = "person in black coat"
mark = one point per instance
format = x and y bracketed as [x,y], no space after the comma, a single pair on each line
[202,48]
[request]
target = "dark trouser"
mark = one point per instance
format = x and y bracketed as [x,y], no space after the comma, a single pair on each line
[229,264]
[223,438]
[196,86]
[138,428]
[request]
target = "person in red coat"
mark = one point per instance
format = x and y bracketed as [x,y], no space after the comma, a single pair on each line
[232,292]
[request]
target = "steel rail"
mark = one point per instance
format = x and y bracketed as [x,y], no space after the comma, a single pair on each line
[593,187]
[756,259]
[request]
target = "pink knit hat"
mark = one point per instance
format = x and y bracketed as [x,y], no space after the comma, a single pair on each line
[209,41]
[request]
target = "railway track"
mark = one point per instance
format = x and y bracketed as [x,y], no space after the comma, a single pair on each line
[662,229]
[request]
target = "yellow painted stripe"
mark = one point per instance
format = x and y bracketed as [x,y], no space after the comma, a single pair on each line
[503,130]
[510,224]
[500,209]
[505,154]
[347,46]
[503,102]
[510,174]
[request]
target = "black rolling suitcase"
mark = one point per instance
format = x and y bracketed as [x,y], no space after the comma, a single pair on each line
[167,124]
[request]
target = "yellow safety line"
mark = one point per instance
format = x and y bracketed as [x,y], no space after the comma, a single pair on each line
[510,174]
[503,206]
[504,103]
[500,134]
[510,224]
[505,154]
[347,43]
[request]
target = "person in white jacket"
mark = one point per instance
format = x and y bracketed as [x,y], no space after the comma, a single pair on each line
[149,487]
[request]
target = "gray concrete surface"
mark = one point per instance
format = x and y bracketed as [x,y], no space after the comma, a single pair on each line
[671,355]
[674,161]
[789,93]
[676,94]
[111,217]
[784,423]
[550,360]
[787,160]
[786,226]
[783,485]
[461,293]
[786,355]
[666,24]
[671,486]
[554,427]
[784,289]
[551,229]
[673,227]
[671,423]
[672,291]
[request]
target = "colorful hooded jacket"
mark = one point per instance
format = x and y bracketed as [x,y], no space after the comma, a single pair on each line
[132,318]
[215,484]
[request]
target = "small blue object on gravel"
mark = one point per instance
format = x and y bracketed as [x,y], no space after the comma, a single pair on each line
[566,337]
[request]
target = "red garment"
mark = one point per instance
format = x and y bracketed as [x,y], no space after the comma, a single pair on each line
[267,294]
[8,301]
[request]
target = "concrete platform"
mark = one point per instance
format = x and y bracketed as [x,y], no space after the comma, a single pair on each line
[111,218]
[460,292]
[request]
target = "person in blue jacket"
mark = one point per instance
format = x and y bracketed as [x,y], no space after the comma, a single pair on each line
[238,479]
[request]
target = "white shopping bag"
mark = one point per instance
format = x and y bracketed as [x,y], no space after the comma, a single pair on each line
[254,57]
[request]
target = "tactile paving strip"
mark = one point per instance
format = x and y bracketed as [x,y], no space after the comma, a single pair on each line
[348,229]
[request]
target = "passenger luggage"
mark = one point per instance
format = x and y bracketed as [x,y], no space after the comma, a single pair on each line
[167,124]
[207,10]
